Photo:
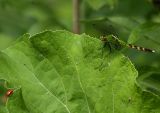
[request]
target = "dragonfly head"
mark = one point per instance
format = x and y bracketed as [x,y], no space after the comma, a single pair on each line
[108,38]
[103,39]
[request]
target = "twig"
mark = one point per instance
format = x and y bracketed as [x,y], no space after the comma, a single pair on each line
[76,16]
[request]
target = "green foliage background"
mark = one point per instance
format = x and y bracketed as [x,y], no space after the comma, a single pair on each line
[133,21]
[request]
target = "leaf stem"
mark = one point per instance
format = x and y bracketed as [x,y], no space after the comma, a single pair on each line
[76,16]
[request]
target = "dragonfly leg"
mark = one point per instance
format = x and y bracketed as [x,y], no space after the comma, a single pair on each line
[105,42]
[109,46]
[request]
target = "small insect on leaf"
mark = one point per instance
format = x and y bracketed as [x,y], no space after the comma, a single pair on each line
[119,44]
[9,92]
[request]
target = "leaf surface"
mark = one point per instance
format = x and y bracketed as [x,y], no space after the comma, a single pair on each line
[66,73]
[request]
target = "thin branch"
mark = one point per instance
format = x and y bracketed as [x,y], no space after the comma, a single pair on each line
[76,16]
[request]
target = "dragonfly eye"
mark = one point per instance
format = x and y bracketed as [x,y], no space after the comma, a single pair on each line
[9,92]
[102,38]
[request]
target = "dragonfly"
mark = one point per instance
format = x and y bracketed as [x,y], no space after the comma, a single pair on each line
[119,44]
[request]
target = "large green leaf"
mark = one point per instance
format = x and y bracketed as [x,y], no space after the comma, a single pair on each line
[60,72]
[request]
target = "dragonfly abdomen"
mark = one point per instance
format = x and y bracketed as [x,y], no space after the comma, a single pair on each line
[140,48]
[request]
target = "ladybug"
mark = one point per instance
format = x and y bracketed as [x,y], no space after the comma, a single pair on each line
[9,92]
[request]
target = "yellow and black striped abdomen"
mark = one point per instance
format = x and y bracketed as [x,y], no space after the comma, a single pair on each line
[140,48]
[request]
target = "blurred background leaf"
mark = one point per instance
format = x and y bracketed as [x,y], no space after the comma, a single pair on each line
[17,18]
